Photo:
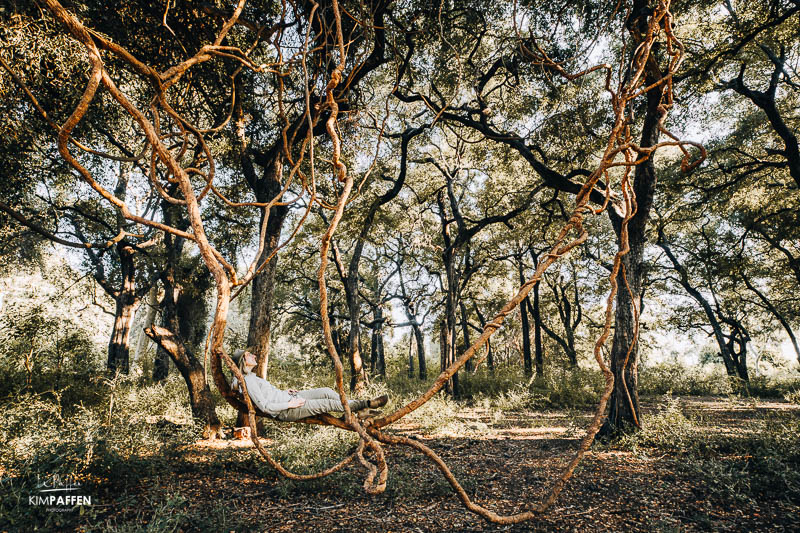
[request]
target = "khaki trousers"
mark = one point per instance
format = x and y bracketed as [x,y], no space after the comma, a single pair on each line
[318,401]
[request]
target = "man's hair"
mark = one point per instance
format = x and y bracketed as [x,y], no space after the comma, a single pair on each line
[253,350]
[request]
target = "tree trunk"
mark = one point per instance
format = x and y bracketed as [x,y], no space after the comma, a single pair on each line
[776,313]
[336,333]
[381,363]
[624,402]
[465,332]
[489,351]
[423,367]
[119,346]
[444,349]
[624,411]
[161,364]
[729,358]
[357,373]
[527,362]
[373,348]
[191,369]
[378,362]
[411,356]
[149,318]
[537,333]
[450,319]
[263,285]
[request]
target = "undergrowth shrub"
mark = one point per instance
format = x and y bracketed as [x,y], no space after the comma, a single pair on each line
[129,433]
[304,448]
[569,387]
[792,396]
[676,378]
[762,457]
[560,386]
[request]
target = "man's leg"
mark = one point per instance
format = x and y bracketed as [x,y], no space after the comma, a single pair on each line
[318,406]
[322,393]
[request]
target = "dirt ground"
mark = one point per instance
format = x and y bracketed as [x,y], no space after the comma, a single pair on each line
[505,463]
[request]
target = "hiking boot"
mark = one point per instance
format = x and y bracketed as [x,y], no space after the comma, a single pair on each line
[380,401]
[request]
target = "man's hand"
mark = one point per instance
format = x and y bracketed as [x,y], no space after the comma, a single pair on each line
[296,402]
[293,392]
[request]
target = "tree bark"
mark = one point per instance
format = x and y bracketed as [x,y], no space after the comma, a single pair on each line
[421,363]
[191,369]
[378,358]
[527,362]
[410,356]
[450,317]
[119,346]
[624,403]
[624,413]
[149,318]
[465,332]
[538,350]
[446,358]
[263,285]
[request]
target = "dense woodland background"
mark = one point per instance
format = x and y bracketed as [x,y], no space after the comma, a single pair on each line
[467,146]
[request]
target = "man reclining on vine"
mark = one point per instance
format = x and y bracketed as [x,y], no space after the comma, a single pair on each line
[290,405]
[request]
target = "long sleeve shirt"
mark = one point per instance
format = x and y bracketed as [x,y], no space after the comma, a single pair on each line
[268,398]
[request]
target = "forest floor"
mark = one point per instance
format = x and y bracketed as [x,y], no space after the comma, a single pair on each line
[706,463]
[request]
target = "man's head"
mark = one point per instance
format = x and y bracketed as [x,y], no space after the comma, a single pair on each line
[245,359]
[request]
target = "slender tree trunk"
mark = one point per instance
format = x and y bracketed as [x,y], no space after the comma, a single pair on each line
[572,353]
[409,308]
[411,356]
[367,355]
[527,362]
[378,363]
[538,351]
[373,347]
[450,319]
[149,318]
[381,364]
[777,314]
[191,369]
[421,363]
[119,346]
[336,332]
[465,332]
[358,376]
[728,357]
[263,285]
[490,351]
[446,358]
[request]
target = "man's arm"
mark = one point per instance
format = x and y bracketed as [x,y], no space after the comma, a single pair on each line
[261,393]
